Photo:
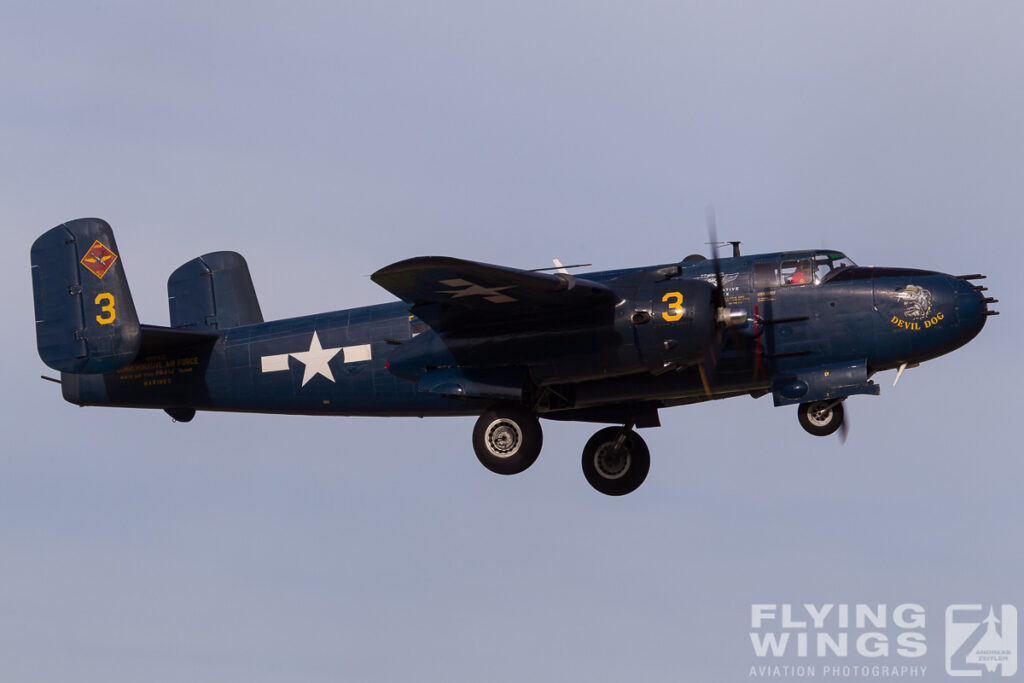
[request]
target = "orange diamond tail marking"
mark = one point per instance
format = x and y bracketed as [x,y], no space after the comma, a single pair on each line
[98,259]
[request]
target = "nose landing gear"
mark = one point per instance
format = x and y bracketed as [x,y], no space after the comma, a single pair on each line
[616,461]
[821,418]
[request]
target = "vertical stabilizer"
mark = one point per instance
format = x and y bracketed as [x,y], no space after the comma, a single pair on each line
[213,292]
[85,317]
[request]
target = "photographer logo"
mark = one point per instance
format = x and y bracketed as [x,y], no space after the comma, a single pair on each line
[981,640]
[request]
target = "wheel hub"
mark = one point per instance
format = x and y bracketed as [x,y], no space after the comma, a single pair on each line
[503,438]
[820,414]
[611,463]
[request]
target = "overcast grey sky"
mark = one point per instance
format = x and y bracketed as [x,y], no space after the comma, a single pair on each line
[325,140]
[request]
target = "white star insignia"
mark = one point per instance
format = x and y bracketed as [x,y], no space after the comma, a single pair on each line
[316,360]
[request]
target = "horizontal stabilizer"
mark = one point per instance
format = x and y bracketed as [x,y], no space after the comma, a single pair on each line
[85,317]
[213,292]
[168,372]
[158,339]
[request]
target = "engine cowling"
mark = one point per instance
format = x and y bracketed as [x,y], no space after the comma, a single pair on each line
[673,323]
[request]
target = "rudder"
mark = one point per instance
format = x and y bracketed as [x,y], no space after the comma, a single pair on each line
[85,317]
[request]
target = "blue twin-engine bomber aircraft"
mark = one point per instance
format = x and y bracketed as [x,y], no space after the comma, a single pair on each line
[810,328]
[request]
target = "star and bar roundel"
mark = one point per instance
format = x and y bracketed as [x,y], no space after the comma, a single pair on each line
[316,360]
[99,259]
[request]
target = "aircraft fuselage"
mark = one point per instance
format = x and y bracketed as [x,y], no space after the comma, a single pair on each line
[341,363]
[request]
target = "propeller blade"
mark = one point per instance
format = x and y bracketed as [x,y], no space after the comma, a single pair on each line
[725,317]
[844,427]
[758,344]
[713,238]
[704,380]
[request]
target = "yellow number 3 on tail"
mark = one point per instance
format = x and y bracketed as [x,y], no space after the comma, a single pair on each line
[675,304]
[106,303]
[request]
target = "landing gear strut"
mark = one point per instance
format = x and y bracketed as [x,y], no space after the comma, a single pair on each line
[821,418]
[616,461]
[507,439]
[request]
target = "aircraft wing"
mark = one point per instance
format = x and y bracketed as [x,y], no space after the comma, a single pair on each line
[452,295]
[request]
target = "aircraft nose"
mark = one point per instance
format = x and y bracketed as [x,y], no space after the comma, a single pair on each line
[925,314]
[971,303]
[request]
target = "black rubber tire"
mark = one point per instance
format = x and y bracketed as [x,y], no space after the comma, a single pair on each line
[507,439]
[181,414]
[616,476]
[818,422]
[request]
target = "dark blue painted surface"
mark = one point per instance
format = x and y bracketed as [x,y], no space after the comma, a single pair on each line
[213,291]
[85,318]
[829,335]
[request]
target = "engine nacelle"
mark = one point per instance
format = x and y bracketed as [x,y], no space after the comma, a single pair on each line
[658,325]
[673,323]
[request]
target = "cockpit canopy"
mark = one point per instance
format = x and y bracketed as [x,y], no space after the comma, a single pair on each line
[800,268]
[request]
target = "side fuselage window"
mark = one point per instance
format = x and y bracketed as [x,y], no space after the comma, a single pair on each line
[766,275]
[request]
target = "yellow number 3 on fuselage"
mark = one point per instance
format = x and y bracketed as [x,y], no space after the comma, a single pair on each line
[105,301]
[675,305]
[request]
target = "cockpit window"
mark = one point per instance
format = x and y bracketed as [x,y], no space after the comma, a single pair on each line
[808,268]
[827,263]
[796,272]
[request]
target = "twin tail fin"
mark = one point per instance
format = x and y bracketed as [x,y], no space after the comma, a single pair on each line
[85,317]
[86,321]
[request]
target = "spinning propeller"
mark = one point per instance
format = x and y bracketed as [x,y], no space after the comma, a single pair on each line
[844,426]
[730,319]
[725,318]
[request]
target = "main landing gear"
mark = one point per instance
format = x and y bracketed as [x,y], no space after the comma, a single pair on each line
[821,418]
[508,439]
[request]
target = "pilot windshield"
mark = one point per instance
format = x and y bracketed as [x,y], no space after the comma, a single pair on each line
[826,263]
[805,269]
